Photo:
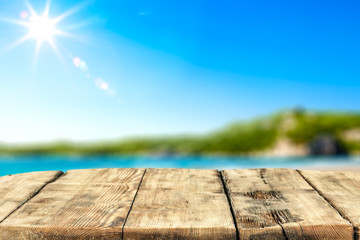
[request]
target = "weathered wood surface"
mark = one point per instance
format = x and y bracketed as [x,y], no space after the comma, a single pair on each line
[280,204]
[17,189]
[180,204]
[81,204]
[342,190]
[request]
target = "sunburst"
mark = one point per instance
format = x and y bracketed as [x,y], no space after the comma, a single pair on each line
[41,27]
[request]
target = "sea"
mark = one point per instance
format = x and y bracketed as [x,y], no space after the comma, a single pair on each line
[31,163]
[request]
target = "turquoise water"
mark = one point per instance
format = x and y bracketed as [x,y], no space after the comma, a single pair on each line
[20,164]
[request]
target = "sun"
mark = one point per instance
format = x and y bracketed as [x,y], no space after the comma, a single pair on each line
[41,27]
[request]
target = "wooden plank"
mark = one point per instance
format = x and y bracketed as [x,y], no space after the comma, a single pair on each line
[82,204]
[180,204]
[15,190]
[271,203]
[341,189]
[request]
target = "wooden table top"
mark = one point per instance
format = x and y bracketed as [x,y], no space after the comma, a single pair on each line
[180,204]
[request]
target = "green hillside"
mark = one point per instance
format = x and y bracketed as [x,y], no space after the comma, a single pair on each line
[299,128]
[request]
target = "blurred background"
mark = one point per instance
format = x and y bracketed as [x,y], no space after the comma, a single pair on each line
[184,84]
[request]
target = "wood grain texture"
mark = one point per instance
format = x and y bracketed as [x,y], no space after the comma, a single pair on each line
[180,204]
[81,204]
[17,189]
[271,203]
[341,189]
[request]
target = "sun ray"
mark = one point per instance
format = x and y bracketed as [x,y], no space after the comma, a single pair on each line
[47,9]
[61,33]
[79,25]
[31,9]
[53,46]
[15,21]
[16,43]
[58,53]
[37,50]
[70,12]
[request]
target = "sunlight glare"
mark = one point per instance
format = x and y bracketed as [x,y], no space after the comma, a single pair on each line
[100,83]
[24,15]
[77,61]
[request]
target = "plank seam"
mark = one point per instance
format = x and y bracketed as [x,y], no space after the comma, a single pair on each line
[227,193]
[33,195]
[330,203]
[276,219]
[227,190]
[282,227]
[273,214]
[132,203]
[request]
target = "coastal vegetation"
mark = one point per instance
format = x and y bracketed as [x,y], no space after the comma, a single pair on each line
[277,134]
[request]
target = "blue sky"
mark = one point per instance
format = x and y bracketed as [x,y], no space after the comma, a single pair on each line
[168,67]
